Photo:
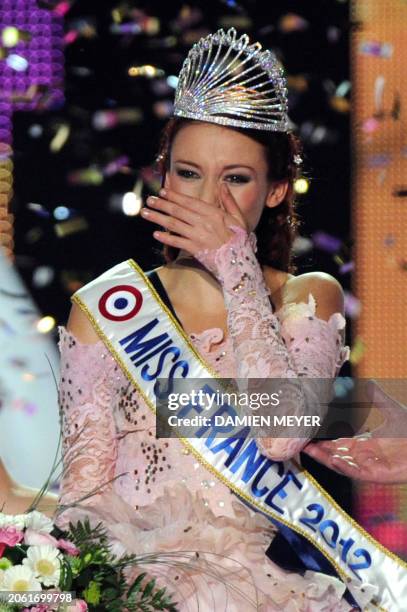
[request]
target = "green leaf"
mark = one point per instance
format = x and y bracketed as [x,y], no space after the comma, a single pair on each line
[135,587]
[149,588]
[157,597]
[92,593]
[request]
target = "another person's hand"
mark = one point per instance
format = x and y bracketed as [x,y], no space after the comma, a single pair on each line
[379,456]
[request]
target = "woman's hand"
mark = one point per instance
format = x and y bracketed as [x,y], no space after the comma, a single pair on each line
[196,225]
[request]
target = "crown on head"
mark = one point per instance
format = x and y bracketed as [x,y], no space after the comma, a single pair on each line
[225,80]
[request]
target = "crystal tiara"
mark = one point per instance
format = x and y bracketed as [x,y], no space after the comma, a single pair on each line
[225,80]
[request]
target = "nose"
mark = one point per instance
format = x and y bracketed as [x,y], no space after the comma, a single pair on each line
[210,192]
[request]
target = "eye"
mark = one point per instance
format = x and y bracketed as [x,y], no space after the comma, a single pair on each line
[187,174]
[238,178]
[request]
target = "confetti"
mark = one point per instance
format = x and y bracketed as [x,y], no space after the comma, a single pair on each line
[357,351]
[108,119]
[60,138]
[376,49]
[326,242]
[38,209]
[67,228]
[147,71]
[353,306]
[292,23]
[86,176]
[347,267]
[378,160]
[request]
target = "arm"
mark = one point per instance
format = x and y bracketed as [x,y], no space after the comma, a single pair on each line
[299,343]
[89,446]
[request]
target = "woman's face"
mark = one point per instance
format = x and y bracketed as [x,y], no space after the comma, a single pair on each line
[205,155]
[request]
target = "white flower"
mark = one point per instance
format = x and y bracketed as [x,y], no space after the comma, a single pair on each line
[12,520]
[39,522]
[19,578]
[44,562]
[1,578]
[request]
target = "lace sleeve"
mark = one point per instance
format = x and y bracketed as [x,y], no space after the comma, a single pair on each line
[291,344]
[89,447]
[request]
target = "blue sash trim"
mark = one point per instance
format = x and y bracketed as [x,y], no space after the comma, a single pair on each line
[312,559]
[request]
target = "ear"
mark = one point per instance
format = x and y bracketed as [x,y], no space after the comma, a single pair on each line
[277,193]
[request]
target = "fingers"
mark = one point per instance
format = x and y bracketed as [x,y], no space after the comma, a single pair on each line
[187,214]
[176,241]
[183,200]
[170,220]
[349,469]
[343,464]
[230,204]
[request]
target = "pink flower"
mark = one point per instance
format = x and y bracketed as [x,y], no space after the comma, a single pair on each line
[35,538]
[40,608]
[78,605]
[10,536]
[68,547]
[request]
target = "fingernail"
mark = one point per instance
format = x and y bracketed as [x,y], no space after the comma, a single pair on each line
[151,199]
[145,212]
[163,192]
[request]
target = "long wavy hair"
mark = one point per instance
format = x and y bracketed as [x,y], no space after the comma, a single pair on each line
[277,227]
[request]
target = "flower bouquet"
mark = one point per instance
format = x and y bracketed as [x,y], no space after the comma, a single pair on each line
[44,568]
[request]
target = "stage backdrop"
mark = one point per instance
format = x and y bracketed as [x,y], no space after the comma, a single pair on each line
[379,222]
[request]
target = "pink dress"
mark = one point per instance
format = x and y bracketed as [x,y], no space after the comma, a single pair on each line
[162,499]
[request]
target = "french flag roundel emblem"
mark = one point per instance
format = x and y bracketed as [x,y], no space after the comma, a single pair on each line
[120,303]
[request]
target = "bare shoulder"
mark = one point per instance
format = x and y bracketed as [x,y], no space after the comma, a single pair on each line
[325,288]
[80,326]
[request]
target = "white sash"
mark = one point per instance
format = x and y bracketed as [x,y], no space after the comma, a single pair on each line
[148,343]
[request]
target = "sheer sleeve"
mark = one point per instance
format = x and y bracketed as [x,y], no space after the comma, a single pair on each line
[89,445]
[291,344]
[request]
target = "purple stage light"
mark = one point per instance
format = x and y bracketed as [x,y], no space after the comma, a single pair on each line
[32,64]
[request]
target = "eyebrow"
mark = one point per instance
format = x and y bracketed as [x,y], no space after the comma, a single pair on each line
[184,161]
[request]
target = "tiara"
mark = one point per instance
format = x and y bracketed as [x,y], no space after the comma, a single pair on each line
[225,80]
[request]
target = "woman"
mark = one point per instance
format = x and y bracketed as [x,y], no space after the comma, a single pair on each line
[228,183]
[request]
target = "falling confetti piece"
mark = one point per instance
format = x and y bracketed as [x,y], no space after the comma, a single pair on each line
[326,242]
[357,351]
[60,138]
[376,49]
[86,176]
[347,267]
[292,23]
[67,228]
[353,306]
[378,160]
[107,119]
[371,125]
